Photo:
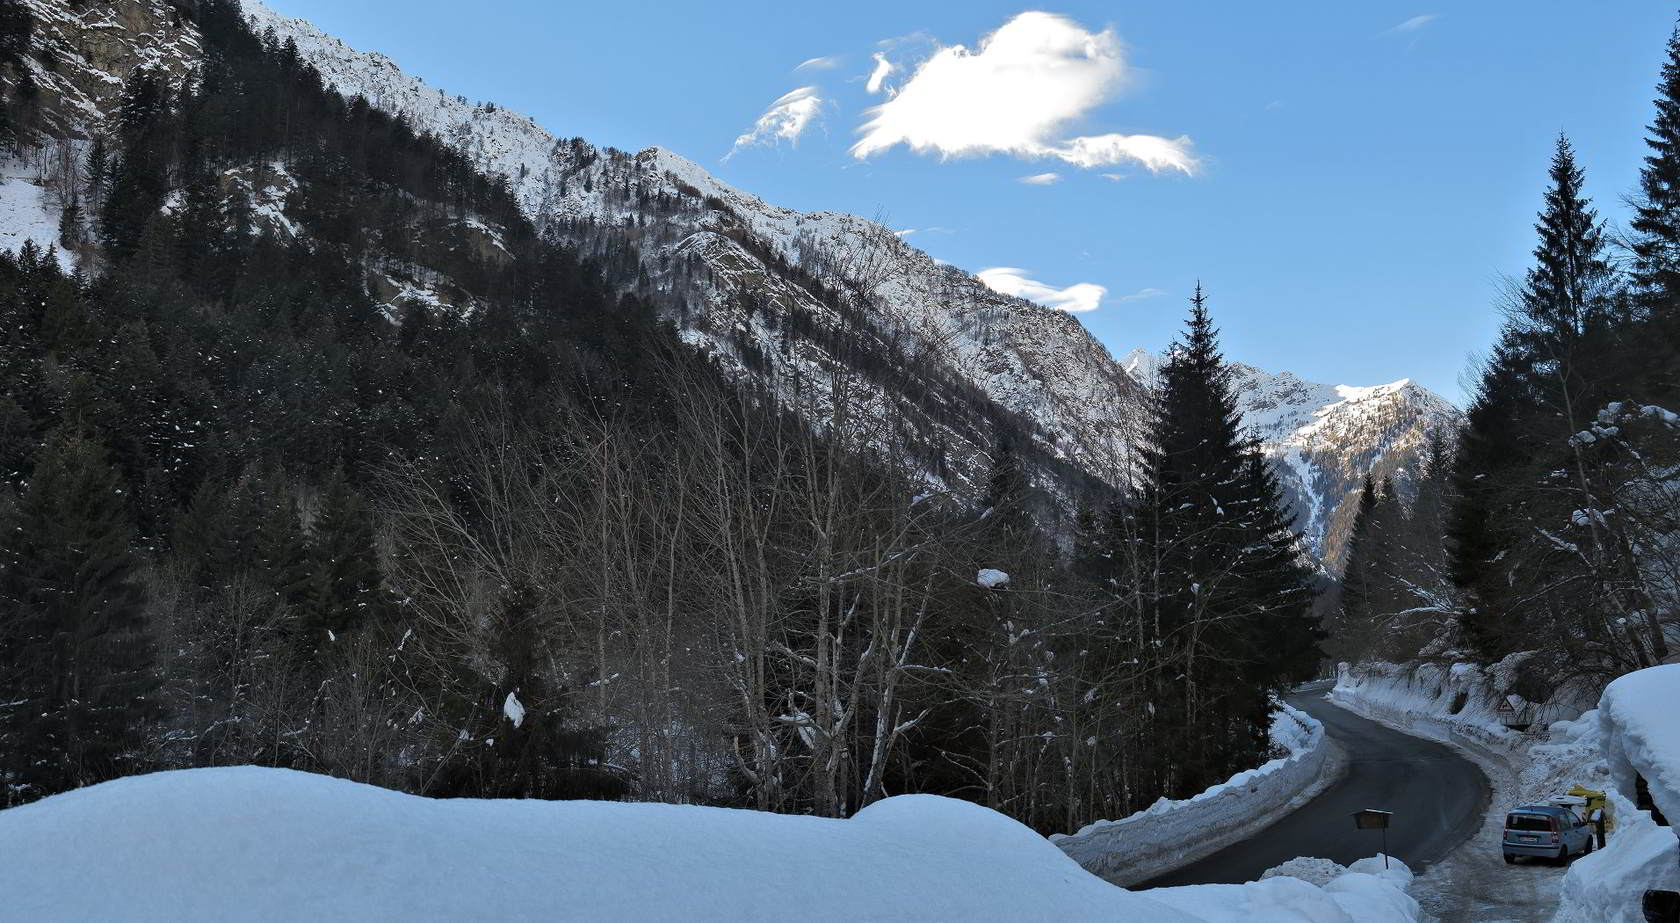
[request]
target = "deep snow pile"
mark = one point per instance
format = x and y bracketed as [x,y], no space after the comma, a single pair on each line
[1169,834]
[1640,714]
[1608,886]
[247,843]
[1639,728]
[1366,892]
[1458,703]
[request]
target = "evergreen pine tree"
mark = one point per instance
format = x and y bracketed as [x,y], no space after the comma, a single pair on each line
[1655,242]
[344,588]
[1008,520]
[75,664]
[1352,632]
[1536,390]
[1568,297]
[1228,594]
[1656,222]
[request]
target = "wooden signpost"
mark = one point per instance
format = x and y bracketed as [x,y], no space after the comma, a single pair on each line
[1374,820]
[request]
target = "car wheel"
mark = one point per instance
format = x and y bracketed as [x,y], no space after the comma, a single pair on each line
[1563,854]
[1510,859]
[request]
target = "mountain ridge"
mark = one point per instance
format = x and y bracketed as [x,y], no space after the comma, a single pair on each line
[797,301]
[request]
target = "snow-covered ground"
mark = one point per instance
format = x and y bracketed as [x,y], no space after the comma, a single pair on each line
[1566,746]
[25,214]
[248,843]
[1171,834]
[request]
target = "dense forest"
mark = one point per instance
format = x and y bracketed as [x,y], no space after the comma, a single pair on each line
[1551,534]
[531,544]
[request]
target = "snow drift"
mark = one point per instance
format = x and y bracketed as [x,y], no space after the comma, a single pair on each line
[247,843]
[1639,730]
[1366,892]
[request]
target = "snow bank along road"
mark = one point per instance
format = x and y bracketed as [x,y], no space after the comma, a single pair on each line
[248,843]
[1438,799]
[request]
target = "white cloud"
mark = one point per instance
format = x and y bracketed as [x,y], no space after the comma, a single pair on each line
[785,120]
[878,76]
[1041,179]
[1158,154]
[1142,294]
[1077,298]
[819,64]
[1416,23]
[1015,94]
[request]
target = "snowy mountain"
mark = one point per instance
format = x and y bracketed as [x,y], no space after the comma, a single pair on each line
[1322,439]
[821,309]
[793,298]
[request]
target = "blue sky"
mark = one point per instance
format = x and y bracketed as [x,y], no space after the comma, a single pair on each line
[1362,174]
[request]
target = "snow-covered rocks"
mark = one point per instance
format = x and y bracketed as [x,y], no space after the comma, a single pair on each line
[991,578]
[247,843]
[82,54]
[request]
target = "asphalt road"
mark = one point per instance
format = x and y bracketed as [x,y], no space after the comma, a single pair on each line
[1438,798]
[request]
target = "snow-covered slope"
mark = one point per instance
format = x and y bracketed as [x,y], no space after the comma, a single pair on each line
[789,297]
[1322,439]
[247,843]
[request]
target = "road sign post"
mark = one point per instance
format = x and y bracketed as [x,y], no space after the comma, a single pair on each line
[1374,820]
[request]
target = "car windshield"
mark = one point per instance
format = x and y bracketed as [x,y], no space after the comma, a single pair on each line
[1528,822]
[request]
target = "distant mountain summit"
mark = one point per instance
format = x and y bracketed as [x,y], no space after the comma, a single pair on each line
[1322,439]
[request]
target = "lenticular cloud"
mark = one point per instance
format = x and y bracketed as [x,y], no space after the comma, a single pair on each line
[1015,94]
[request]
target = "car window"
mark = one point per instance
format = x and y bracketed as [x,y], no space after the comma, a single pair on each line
[1528,822]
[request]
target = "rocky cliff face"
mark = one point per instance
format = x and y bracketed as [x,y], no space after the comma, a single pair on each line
[83,53]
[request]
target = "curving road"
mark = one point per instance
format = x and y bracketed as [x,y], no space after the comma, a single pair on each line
[1439,800]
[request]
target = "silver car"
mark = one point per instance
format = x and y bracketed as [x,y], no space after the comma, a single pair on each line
[1546,832]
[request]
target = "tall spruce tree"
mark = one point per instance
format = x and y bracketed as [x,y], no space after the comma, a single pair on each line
[344,587]
[1536,391]
[1656,241]
[1656,222]
[75,664]
[1228,596]
[1351,630]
